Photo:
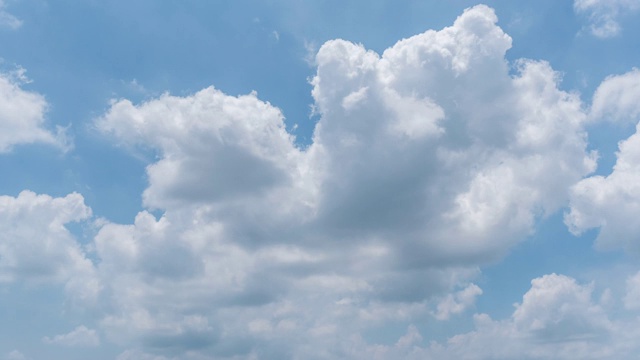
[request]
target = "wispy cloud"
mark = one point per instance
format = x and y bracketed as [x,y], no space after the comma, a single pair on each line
[603,14]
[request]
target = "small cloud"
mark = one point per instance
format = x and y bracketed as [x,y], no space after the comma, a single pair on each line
[603,14]
[136,86]
[81,336]
[15,355]
[311,49]
[275,35]
[23,114]
[458,302]
[7,20]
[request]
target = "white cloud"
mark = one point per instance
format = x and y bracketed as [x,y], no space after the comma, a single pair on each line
[80,336]
[632,297]
[427,162]
[36,246]
[22,116]
[616,99]
[557,319]
[34,241]
[7,19]
[603,14]
[458,302]
[612,203]
[213,147]
[556,308]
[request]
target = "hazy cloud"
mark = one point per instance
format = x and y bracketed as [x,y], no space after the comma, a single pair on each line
[7,19]
[603,14]
[80,336]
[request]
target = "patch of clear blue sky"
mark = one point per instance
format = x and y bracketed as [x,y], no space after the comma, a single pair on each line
[80,54]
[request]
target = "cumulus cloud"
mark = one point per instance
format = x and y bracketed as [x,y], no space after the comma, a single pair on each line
[80,336]
[22,115]
[616,99]
[612,202]
[36,246]
[35,242]
[458,302]
[428,161]
[556,308]
[557,319]
[603,14]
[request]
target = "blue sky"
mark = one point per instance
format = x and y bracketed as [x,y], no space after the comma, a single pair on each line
[319,180]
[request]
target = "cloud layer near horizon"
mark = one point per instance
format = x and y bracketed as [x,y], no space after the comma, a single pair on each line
[429,161]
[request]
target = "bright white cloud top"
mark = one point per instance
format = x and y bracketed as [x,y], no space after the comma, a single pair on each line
[23,115]
[430,162]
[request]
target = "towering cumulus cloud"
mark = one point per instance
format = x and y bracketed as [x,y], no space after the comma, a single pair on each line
[428,161]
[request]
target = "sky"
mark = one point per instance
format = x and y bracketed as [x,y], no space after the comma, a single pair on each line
[324,179]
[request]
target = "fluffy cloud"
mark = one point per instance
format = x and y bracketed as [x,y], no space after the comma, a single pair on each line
[214,147]
[37,248]
[35,245]
[612,202]
[458,302]
[557,319]
[80,336]
[22,115]
[428,161]
[616,99]
[603,14]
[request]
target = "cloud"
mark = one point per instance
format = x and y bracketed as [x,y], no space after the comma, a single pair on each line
[632,297]
[35,243]
[36,246]
[428,161]
[22,115]
[458,302]
[8,20]
[612,202]
[80,336]
[15,355]
[616,99]
[557,319]
[603,14]
[214,147]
